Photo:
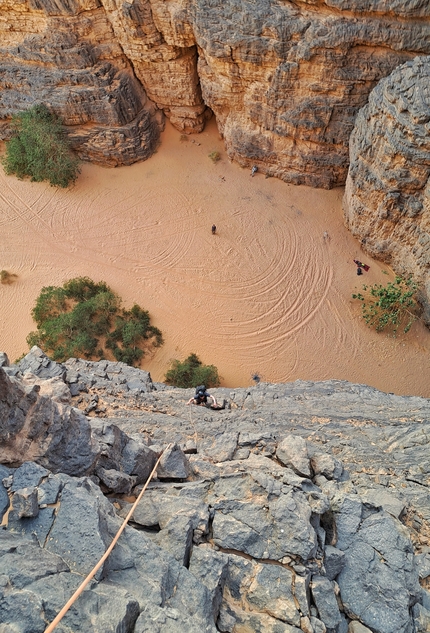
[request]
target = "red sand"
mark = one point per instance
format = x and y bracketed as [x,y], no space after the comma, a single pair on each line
[269,294]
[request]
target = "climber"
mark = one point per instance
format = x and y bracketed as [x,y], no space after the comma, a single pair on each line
[201,397]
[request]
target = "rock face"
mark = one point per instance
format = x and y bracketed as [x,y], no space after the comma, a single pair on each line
[66,56]
[387,197]
[285,79]
[297,508]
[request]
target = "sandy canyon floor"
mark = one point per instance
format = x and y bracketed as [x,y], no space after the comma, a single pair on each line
[269,294]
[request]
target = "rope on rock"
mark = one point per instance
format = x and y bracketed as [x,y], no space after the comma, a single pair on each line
[92,573]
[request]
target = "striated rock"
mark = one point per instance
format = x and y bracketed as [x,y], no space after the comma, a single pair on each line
[284,79]
[69,60]
[387,196]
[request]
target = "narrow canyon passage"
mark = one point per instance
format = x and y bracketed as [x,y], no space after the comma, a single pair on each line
[269,294]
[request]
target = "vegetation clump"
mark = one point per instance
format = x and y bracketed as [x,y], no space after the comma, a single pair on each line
[392,306]
[38,149]
[83,318]
[215,156]
[7,278]
[192,372]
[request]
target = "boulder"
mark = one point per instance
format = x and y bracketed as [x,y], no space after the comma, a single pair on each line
[37,363]
[292,452]
[25,503]
[173,464]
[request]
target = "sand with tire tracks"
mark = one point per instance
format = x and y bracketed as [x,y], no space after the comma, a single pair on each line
[268,295]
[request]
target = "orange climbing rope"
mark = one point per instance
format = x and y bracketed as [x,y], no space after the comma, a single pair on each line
[92,573]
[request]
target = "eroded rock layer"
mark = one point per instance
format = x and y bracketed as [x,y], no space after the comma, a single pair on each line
[284,79]
[387,197]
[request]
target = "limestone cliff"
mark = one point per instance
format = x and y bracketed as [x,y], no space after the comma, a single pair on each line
[284,79]
[387,197]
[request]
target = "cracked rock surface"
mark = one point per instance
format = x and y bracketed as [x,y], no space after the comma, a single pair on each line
[235,533]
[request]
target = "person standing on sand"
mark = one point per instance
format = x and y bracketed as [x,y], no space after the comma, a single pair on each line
[213,229]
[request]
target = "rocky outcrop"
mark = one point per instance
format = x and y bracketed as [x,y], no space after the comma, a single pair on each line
[284,79]
[387,197]
[66,57]
[297,508]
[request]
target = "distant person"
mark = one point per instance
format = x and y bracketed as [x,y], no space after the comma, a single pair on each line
[201,397]
[359,271]
[213,229]
[254,170]
[360,265]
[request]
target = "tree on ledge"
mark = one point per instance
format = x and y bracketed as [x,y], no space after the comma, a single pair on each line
[38,149]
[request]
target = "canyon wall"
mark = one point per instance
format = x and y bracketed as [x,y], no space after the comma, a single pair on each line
[387,195]
[285,80]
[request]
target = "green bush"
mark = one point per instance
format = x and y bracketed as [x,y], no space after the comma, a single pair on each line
[191,372]
[391,306]
[38,149]
[83,319]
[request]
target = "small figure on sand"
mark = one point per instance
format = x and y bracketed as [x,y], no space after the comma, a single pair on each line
[254,170]
[360,265]
[326,236]
[213,229]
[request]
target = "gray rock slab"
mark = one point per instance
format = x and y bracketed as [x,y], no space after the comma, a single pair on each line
[176,537]
[37,527]
[421,617]
[173,464]
[292,452]
[36,362]
[325,600]
[271,592]
[261,528]
[327,465]
[334,560]
[380,498]
[116,481]
[24,562]
[422,562]
[381,555]
[28,475]
[210,568]
[80,533]
[220,447]
[49,489]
